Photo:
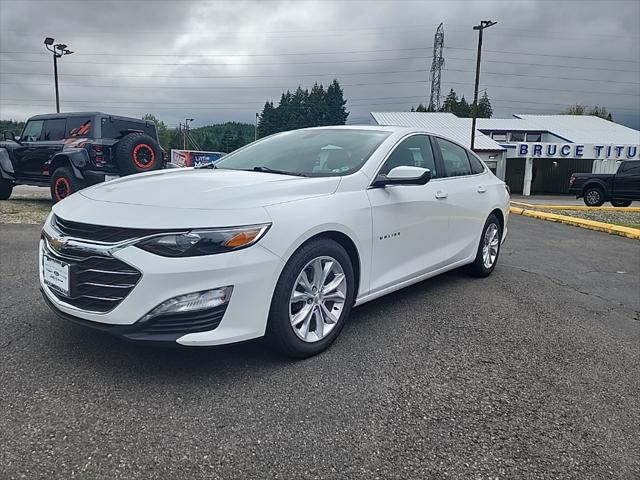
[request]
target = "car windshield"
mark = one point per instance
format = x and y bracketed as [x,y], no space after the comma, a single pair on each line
[309,153]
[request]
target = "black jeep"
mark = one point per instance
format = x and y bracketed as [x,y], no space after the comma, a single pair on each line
[70,151]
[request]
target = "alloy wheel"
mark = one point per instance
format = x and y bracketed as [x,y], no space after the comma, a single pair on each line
[490,245]
[317,299]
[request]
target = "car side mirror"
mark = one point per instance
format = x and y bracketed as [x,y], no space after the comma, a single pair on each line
[11,136]
[404,175]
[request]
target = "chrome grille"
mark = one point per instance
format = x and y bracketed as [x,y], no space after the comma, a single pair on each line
[97,283]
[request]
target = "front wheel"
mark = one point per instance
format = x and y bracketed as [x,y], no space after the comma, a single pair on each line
[594,197]
[6,187]
[312,299]
[621,203]
[488,249]
[64,183]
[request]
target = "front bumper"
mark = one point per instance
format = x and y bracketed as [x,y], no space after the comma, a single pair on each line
[252,272]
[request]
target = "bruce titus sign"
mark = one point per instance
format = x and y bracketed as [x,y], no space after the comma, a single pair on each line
[574,150]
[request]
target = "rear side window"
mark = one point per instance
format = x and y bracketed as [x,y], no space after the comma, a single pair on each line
[54,129]
[476,164]
[78,127]
[455,159]
[118,128]
[631,168]
[33,131]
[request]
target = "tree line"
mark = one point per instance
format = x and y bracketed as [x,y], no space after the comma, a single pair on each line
[460,107]
[304,108]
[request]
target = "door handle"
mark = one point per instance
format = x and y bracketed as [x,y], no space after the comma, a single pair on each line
[482,189]
[440,194]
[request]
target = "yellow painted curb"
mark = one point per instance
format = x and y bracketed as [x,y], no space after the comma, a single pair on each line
[538,206]
[580,222]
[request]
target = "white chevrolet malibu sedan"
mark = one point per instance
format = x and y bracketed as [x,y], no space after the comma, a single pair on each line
[279,239]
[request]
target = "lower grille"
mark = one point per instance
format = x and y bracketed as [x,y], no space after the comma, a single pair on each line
[97,283]
[181,324]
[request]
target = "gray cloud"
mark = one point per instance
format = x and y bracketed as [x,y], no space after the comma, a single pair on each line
[255,46]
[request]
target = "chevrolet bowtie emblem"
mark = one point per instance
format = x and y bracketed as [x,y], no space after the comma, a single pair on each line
[57,243]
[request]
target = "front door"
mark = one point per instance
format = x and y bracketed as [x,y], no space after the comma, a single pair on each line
[25,156]
[626,183]
[410,222]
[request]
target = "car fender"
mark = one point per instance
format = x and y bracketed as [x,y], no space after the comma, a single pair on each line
[297,222]
[596,181]
[76,158]
[6,167]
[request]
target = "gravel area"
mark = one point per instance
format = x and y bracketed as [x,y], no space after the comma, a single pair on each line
[627,219]
[26,205]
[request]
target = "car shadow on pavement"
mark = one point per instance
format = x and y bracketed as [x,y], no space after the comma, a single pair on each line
[107,355]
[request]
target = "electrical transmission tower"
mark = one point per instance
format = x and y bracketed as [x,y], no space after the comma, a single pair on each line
[436,68]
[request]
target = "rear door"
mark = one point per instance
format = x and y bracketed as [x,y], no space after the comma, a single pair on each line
[464,188]
[52,141]
[626,183]
[409,222]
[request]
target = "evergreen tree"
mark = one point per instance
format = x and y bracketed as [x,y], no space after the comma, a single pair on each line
[450,103]
[336,112]
[484,107]
[463,109]
[267,120]
[419,108]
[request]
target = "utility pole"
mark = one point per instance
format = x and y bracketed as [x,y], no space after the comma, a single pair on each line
[58,50]
[255,131]
[186,132]
[483,24]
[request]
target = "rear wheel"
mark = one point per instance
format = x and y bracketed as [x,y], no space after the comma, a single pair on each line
[6,187]
[593,197]
[488,249]
[312,299]
[620,203]
[64,183]
[138,153]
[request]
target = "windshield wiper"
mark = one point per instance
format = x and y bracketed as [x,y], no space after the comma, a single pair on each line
[261,168]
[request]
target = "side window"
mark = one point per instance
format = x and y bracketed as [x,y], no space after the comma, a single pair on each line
[630,168]
[476,165]
[78,127]
[455,159]
[33,131]
[54,129]
[415,151]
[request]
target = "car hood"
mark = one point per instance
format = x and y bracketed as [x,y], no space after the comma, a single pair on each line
[189,198]
[210,189]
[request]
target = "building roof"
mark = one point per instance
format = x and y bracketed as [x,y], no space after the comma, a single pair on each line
[583,128]
[439,123]
[507,124]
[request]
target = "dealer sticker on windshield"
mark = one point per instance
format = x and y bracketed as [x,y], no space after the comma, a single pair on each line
[56,274]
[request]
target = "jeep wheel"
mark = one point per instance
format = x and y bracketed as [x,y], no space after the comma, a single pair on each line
[138,153]
[6,187]
[64,183]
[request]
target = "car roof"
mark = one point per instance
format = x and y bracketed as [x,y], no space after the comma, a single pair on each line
[46,116]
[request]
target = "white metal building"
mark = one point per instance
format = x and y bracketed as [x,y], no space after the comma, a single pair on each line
[533,153]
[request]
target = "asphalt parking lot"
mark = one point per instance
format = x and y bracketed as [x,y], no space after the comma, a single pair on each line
[531,373]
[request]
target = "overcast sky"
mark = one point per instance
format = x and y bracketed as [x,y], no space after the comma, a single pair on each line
[218,61]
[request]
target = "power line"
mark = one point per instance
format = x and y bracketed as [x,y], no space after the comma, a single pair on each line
[319,74]
[604,59]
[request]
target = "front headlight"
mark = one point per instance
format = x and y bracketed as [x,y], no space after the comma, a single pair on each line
[204,242]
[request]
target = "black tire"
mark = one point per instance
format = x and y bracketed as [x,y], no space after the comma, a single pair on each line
[594,196]
[137,153]
[621,203]
[478,268]
[280,331]
[64,183]
[6,187]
